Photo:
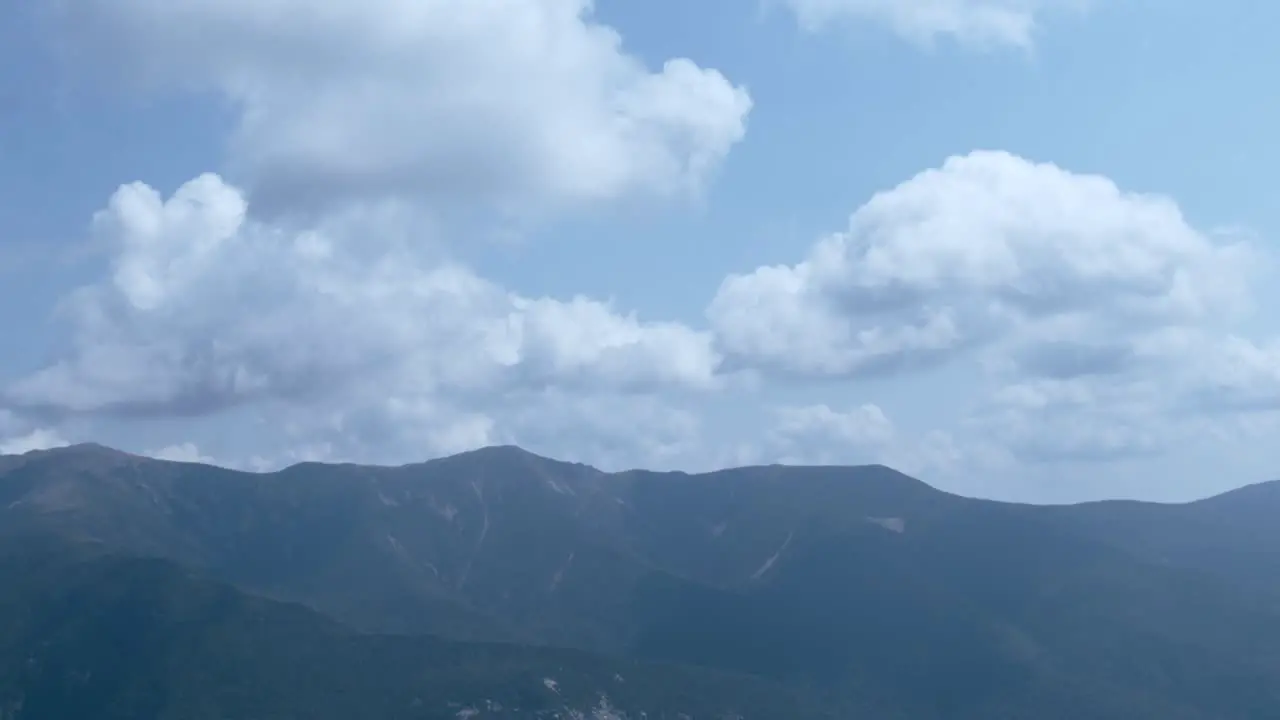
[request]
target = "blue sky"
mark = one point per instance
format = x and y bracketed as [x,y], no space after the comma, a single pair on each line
[1020,248]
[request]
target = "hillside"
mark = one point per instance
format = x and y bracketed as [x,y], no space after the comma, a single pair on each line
[85,635]
[855,582]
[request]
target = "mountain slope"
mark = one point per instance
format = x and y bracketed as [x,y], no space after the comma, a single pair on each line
[1234,536]
[422,548]
[87,635]
[986,614]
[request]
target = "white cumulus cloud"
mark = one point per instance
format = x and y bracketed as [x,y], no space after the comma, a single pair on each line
[988,250]
[513,103]
[205,308]
[1102,320]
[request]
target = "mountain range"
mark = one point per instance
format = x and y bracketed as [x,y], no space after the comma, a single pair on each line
[498,583]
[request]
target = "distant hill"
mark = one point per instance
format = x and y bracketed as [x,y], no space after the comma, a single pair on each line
[855,582]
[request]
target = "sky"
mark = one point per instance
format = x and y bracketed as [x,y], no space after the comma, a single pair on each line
[1021,249]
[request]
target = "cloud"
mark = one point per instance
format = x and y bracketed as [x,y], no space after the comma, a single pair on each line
[937,453]
[1065,274]
[1101,320]
[971,22]
[316,296]
[38,439]
[520,105]
[1089,419]
[860,428]
[1095,314]
[1237,374]
[18,436]
[819,435]
[183,452]
[611,431]
[402,424]
[1184,385]
[1189,386]
[206,309]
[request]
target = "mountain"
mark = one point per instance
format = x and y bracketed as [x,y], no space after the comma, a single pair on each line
[497,544]
[89,635]
[987,614]
[855,582]
[1234,536]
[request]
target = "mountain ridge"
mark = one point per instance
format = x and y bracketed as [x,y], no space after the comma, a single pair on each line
[100,451]
[857,580]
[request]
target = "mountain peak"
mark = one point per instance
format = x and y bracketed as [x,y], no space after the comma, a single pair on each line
[506,454]
[79,450]
[506,450]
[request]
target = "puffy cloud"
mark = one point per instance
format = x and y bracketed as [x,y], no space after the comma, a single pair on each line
[973,22]
[587,342]
[937,453]
[38,439]
[441,430]
[183,452]
[1237,374]
[522,103]
[1101,318]
[862,427]
[819,435]
[1179,388]
[206,308]
[611,431]
[352,338]
[990,250]
[319,302]
[397,424]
